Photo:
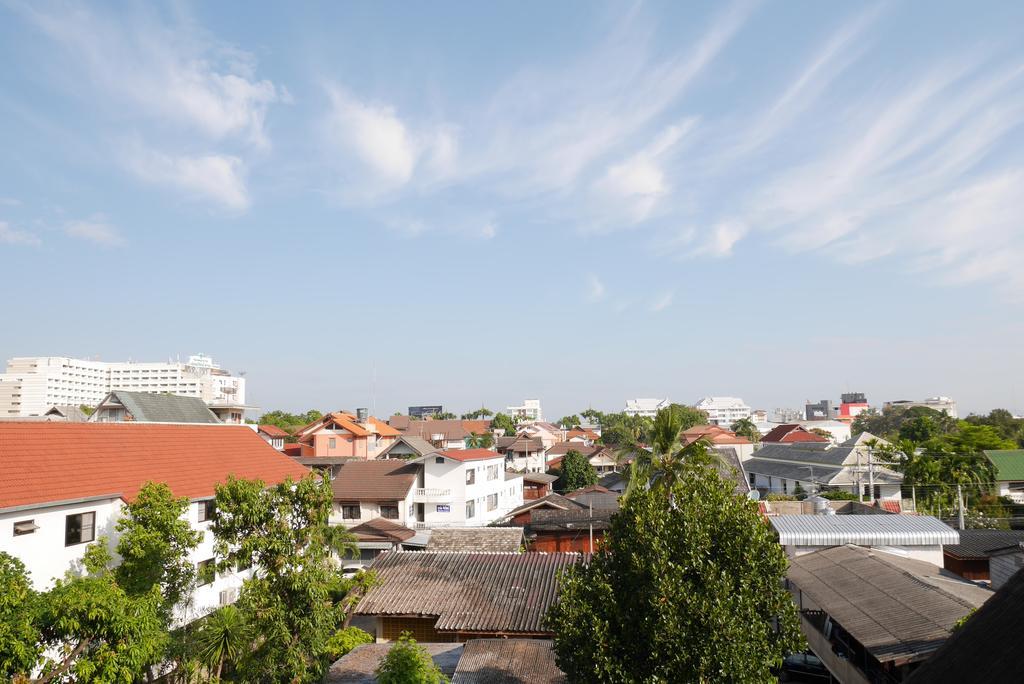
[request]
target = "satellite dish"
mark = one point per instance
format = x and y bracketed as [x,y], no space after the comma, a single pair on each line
[754,495]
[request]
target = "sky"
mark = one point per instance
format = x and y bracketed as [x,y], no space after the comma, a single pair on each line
[391,204]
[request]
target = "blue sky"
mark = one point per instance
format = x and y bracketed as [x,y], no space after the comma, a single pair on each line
[393,204]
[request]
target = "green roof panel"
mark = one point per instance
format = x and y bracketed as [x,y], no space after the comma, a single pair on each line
[1009,463]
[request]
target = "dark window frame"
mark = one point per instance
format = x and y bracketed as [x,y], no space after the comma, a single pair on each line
[390,507]
[31,522]
[346,509]
[207,510]
[81,527]
[206,572]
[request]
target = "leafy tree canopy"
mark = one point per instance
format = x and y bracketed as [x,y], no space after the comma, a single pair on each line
[569,422]
[686,589]
[409,663]
[290,422]
[478,414]
[576,472]
[504,422]
[20,647]
[744,427]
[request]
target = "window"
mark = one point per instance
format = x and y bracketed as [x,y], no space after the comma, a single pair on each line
[785,486]
[79,528]
[350,511]
[492,501]
[205,572]
[470,476]
[243,564]
[389,511]
[23,527]
[439,459]
[867,491]
[470,509]
[753,479]
[492,472]
[332,443]
[207,510]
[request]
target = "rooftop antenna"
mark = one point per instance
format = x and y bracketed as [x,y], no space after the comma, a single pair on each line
[373,391]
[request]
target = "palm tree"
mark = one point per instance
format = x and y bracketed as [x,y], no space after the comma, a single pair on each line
[475,441]
[224,637]
[342,542]
[744,427]
[662,465]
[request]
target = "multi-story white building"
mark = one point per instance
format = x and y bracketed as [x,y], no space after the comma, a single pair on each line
[724,410]
[648,408]
[453,488]
[937,403]
[54,501]
[33,384]
[530,410]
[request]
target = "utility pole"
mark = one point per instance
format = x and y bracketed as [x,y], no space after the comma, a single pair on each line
[960,504]
[860,489]
[913,496]
[871,474]
[591,525]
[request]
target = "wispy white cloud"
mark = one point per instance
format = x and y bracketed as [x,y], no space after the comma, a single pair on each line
[12,236]
[595,288]
[169,70]
[661,302]
[95,229]
[216,177]
[9,202]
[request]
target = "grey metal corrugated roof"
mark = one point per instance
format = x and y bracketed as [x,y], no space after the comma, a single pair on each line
[979,543]
[505,593]
[476,539]
[868,530]
[790,471]
[885,607]
[508,661]
[835,456]
[146,407]
[359,666]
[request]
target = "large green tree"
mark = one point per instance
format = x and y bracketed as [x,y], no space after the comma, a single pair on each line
[744,427]
[282,530]
[504,422]
[20,646]
[576,472]
[687,588]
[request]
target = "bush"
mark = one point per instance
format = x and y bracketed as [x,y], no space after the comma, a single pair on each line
[775,496]
[344,640]
[408,663]
[839,495]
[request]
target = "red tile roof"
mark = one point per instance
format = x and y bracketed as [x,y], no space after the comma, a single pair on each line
[468,454]
[713,434]
[791,432]
[273,431]
[44,462]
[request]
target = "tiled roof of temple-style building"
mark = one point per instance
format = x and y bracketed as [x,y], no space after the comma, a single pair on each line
[476,539]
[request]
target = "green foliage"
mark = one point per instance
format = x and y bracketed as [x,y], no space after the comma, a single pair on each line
[20,647]
[504,422]
[98,632]
[87,409]
[621,430]
[890,421]
[687,416]
[479,414]
[823,433]
[290,422]
[778,496]
[283,530]
[444,415]
[1003,422]
[484,441]
[744,427]
[838,495]
[799,493]
[569,422]
[593,415]
[155,542]
[685,590]
[408,663]
[973,439]
[344,640]
[576,472]
[224,637]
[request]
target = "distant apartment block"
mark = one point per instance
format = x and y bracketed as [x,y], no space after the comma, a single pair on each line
[937,403]
[648,408]
[530,410]
[724,410]
[32,385]
[821,410]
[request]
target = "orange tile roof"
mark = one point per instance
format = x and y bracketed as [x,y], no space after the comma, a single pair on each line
[712,433]
[45,462]
[273,431]
[468,454]
[348,422]
[383,429]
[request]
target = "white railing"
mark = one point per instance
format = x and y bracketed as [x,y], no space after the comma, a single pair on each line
[432,493]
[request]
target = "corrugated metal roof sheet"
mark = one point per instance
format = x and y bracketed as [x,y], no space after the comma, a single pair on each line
[508,661]
[869,530]
[468,592]
[887,609]
[1009,463]
[978,543]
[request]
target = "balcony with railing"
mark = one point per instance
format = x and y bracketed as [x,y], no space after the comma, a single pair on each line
[431,494]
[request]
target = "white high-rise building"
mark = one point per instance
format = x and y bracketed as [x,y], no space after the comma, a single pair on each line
[530,410]
[647,408]
[723,410]
[33,384]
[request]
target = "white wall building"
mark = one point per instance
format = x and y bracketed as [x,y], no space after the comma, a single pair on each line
[530,410]
[50,532]
[466,487]
[938,403]
[33,384]
[647,408]
[723,411]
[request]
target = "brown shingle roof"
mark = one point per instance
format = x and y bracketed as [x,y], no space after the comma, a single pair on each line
[476,539]
[506,593]
[791,432]
[562,448]
[987,648]
[381,529]
[890,611]
[388,480]
[508,661]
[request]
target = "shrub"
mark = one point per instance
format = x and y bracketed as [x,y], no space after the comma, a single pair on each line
[775,496]
[839,495]
[409,663]
[344,640]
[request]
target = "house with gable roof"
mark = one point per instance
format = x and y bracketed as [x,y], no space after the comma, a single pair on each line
[342,434]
